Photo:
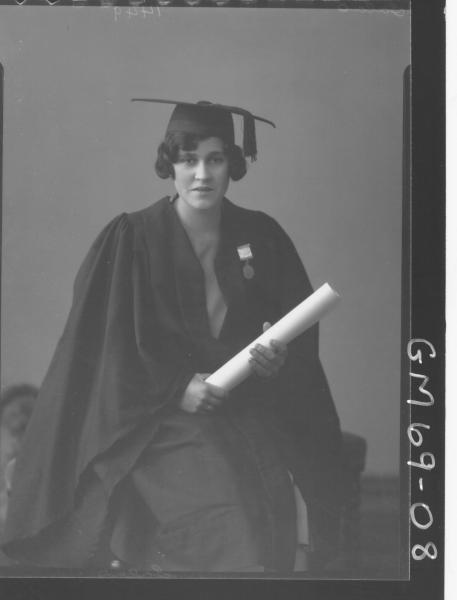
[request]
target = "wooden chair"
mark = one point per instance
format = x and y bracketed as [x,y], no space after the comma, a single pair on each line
[354,456]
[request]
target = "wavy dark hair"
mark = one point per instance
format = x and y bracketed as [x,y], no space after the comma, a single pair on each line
[168,152]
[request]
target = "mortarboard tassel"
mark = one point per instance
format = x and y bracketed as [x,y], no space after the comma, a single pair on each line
[249,139]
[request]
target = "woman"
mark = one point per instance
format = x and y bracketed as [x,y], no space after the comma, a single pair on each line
[141,460]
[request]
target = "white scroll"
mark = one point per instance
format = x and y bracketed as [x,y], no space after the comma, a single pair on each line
[298,320]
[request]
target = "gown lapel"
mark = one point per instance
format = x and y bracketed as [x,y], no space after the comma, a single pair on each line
[190,287]
[228,271]
[188,279]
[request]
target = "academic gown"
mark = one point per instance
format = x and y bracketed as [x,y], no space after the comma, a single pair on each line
[107,425]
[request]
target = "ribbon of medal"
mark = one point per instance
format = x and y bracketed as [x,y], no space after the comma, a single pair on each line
[245,254]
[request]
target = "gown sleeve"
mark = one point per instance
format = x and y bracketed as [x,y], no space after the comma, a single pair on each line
[306,411]
[308,405]
[105,383]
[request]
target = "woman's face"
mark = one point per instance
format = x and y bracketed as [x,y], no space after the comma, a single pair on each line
[202,175]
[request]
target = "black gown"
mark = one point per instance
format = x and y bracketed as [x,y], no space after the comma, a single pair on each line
[121,470]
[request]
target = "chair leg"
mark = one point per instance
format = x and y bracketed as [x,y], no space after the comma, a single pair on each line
[350,525]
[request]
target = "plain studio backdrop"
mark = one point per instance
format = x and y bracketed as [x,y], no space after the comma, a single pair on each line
[77,152]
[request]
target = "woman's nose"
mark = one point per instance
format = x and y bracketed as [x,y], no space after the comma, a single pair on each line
[201,170]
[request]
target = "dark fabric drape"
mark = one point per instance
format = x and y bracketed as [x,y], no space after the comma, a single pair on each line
[137,332]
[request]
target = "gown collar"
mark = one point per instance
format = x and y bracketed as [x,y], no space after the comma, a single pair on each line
[190,279]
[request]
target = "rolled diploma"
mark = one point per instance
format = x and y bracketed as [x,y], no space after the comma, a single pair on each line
[298,320]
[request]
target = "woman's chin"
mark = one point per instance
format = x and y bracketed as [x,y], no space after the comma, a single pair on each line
[204,202]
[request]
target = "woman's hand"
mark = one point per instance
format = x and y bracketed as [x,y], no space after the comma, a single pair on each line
[267,361]
[202,397]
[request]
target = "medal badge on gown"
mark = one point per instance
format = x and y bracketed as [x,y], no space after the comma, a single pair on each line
[245,255]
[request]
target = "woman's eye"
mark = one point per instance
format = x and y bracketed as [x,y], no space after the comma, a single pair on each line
[190,161]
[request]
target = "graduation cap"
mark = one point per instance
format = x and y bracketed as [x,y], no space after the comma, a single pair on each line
[207,118]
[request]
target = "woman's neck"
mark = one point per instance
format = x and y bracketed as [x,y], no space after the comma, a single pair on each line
[198,222]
